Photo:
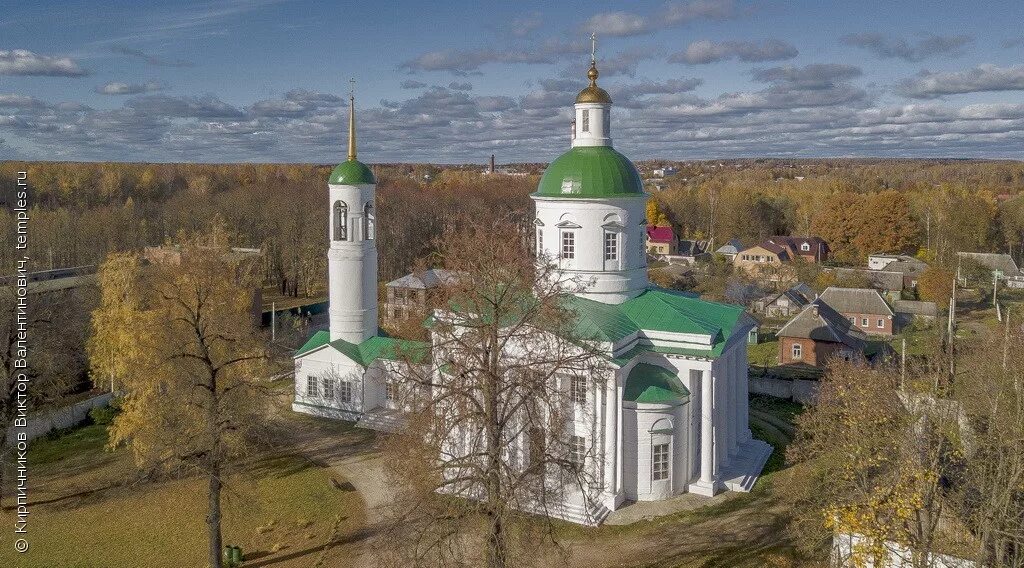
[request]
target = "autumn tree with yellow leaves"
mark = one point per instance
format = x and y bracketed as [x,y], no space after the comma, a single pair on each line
[186,356]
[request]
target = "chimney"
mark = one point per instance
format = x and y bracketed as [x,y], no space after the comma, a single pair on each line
[492,163]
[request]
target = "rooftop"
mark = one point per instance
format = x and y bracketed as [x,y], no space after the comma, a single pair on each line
[820,322]
[855,300]
[430,278]
[652,384]
[377,347]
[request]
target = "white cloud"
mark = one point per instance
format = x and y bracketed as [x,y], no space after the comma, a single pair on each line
[705,51]
[885,46]
[118,88]
[25,62]
[616,24]
[982,78]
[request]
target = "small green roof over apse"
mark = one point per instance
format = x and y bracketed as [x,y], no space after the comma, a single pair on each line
[351,172]
[648,383]
[592,172]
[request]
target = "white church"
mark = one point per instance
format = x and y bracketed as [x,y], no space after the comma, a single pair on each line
[673,414]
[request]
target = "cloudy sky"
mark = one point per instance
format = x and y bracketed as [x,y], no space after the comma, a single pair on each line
[268,80]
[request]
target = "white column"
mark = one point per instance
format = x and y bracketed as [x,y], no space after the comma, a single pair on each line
[708,481]
[729,416]
[734,402]
[611,435]
[745,401]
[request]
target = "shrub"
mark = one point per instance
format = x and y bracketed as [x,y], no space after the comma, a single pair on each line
[103,415]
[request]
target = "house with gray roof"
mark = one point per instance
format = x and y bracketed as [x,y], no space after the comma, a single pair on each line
[1002,266]
[730,249]
[819,333]
[409,295]
[891,283]
[786,303]
[864,308]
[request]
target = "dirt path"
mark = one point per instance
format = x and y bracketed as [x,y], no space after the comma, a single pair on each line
[349,451]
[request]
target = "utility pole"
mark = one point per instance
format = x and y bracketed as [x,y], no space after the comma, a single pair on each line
[273,321]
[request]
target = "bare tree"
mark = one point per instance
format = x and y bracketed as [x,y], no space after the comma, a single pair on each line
[989,495]
[46,331]
[491,432]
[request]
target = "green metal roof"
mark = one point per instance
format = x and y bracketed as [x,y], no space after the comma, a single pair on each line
[590,172]
[351,172]
[653,384]
[656,309]
[376,347]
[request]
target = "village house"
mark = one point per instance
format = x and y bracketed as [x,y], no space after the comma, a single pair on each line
[768,257]
[730,249]
[1002,266]
[784,304]
[817,334]
[910,311]
[889,284]
[863,307]
[811,249]
[690,251]
[878,261]
[763,259]
[409,295]
[662,240]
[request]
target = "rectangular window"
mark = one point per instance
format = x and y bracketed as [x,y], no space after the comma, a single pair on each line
[611,245]
[578,390]
[311,386]
[390,391]
[798,351]
[881,323]
[863,322]
[659,462]
[568,245]
[540,242]
[328,384]
[586,120]
[345,391]
[577,451]
[853,320]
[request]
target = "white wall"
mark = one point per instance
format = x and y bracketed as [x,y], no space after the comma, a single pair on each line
[611,283]
[599,131]
[329,363]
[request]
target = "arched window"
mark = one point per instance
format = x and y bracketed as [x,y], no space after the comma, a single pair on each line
[368,221]
[340,221]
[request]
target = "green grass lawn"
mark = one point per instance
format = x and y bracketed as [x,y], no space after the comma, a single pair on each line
[90,509]
[762,354]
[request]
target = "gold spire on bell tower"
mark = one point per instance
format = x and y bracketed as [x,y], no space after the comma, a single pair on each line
[593,93]
[352,120]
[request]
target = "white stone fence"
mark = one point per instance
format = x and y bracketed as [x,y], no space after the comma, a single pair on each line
[898,556]
[797,390]
[40,423]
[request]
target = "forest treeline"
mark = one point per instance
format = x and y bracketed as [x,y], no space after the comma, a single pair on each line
[82,211]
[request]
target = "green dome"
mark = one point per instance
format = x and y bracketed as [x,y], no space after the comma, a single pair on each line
[590,172]
[352,172]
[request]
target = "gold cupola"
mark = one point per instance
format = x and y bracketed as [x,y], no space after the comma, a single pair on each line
[592,93]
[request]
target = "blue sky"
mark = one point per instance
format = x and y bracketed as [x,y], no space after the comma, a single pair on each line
[267,80]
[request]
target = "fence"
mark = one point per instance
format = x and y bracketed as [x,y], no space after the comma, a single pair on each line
[40,423]
[797,390]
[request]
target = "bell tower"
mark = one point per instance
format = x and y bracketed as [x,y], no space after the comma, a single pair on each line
[352,253]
